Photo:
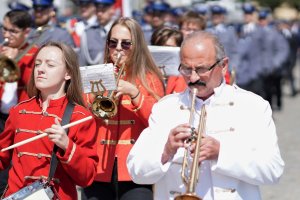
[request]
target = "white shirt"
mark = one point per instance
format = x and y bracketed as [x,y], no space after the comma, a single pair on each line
[9,97]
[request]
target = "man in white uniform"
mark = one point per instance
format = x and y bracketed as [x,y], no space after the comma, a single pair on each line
[239,149]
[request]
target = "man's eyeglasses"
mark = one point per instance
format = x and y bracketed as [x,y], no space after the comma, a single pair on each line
[11,31]
[125,44]
[187,71]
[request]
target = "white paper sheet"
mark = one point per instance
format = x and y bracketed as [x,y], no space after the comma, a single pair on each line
[104,72]
[166,58]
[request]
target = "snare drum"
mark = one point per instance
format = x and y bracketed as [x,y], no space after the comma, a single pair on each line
[36,190]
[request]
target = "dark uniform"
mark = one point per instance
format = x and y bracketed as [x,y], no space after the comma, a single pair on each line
[226,35]
[275,53]
[250,49]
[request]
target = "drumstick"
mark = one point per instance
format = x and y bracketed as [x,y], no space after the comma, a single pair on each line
[45,134]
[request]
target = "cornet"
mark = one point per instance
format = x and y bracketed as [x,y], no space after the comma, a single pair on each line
[9,70]
[190,177]
[106,107]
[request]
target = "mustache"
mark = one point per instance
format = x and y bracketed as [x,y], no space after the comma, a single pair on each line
[198,82]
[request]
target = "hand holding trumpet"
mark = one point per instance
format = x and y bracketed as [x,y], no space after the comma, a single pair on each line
[9,52]
[209,147]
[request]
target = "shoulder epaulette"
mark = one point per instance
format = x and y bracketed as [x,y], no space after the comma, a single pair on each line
[27,100]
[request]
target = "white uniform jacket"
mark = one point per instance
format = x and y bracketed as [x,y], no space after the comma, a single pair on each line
[249,155]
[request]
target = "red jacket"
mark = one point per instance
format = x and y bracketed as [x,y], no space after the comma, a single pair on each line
[175,84]
[31,161]
[117,136]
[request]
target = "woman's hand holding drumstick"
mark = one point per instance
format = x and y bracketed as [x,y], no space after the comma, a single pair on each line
[45,134]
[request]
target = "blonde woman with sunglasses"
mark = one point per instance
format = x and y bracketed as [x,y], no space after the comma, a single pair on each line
[140,86]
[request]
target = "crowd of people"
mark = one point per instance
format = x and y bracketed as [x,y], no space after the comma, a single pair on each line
[137,153]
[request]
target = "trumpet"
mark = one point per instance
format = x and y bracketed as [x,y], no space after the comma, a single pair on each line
[9,70]
[190,177]
[233,76]
[105,107]
[4,42]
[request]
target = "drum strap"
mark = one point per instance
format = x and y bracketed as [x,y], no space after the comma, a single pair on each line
[65,120]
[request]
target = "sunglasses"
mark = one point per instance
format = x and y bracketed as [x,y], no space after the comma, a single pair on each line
[125,44]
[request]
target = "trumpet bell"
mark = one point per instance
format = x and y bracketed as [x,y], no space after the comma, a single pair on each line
[9,71]
[104,107]
[187,196]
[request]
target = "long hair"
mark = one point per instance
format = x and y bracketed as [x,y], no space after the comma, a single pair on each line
[140,61]
[73,87]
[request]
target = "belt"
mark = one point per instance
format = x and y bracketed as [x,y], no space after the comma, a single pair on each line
[115,142]
[116,122]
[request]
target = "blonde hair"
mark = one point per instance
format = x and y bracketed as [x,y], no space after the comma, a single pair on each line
[140,61]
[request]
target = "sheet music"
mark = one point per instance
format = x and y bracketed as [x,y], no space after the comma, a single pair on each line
[166,58]
[105,72]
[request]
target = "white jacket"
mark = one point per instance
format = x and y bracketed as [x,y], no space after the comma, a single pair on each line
[249,155]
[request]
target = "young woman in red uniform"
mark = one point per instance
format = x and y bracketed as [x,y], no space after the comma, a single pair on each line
[140,86]
[54,82]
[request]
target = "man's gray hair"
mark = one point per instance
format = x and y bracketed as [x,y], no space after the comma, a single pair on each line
[202,35]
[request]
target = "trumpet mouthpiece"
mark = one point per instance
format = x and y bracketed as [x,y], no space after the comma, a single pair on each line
[5,42]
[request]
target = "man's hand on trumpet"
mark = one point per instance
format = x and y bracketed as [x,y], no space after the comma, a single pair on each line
[209,148]
[176,139]
[58,135]
[9,52]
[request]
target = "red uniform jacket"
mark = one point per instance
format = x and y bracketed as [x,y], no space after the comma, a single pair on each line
[31,161]
[175,84]
[117,136]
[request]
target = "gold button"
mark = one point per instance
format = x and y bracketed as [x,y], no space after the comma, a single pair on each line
[132,141]
[102,142]
[39,155]
[45,113]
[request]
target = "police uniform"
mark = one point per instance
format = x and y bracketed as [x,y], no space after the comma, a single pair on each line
[152,8]
[250,51]
[117,136]
[226,35]
[77,164]
[92,46]
[93,39]
[290,63]
[51,31]
[275,54]
[77,26]
[249,154]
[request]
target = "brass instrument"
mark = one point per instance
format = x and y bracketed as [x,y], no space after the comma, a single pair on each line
[232,76]
[106,107]
[9,70]
[190,179]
